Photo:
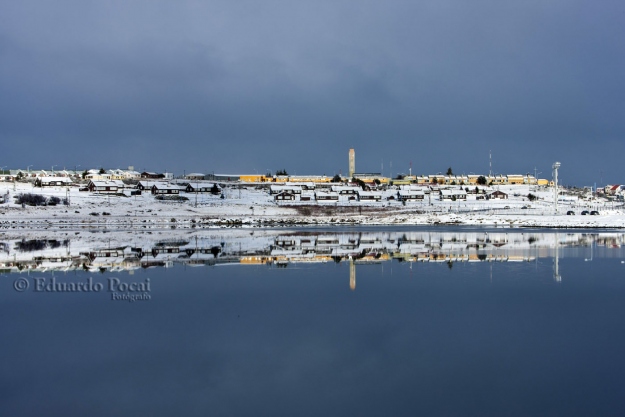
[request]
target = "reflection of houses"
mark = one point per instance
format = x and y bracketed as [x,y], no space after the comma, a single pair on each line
[112,260]
[281,249]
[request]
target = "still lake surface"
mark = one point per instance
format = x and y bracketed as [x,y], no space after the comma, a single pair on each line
[357,322]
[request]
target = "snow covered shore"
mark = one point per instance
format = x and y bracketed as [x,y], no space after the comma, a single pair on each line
[251,207]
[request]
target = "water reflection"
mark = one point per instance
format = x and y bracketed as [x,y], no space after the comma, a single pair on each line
[124,251]
[272,328]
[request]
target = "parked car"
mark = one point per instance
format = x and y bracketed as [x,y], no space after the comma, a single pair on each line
[594,213]
[570,213]
[585,212]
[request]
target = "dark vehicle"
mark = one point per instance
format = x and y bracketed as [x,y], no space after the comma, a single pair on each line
[570,213]
[585,212]
[594,213]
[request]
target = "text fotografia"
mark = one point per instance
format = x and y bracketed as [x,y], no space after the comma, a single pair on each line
[119,290]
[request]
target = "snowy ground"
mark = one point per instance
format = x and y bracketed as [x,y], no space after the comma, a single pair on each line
[255,207]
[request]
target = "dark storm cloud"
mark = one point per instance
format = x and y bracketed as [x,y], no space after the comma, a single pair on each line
[256,86]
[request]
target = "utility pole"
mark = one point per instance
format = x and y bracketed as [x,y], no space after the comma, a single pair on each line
[555,167]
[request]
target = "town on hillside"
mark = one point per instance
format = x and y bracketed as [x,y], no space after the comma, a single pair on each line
[464,191]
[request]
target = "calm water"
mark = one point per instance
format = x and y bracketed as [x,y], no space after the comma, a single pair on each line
[383,322]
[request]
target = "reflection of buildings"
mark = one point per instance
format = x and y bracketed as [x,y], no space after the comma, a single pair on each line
[110,252]
[352,275]
[556,260]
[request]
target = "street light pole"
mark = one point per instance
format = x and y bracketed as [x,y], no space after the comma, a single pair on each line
[555,167]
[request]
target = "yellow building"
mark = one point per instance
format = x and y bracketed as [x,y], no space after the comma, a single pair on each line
[516,179]
[301,178]
[435,179]
[497,180]
[462,179]
[252,178]
[373,177]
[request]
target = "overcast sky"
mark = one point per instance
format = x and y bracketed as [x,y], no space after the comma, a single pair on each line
[250,86]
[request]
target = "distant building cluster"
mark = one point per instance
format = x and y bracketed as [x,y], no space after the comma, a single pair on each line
[367,181]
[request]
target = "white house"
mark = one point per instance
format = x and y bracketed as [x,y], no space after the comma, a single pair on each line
[52,181]
[322,196]
[410,195]
[106,187]
[369,196]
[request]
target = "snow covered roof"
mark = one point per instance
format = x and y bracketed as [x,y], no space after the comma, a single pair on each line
[369,193]
[278,188]
[57,179]
[345,188]
[107,183]
[302,183]
[166,186]
[411,192]
[150,183]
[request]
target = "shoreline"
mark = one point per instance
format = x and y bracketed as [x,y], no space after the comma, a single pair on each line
[199,221]
[256,209]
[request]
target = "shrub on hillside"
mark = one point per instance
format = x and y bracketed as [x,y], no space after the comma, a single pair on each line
[30,199]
